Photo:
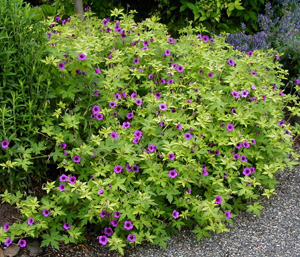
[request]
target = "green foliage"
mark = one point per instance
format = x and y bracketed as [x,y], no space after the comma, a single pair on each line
[23,95]
[149,136]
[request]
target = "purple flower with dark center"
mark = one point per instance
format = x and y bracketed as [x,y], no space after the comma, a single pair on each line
[173,174]
[253,87]
[63,178]
[231,62]
[235,94]
[162,124]
[118,96]
[189,191]
[150,76]
[114,223]
[228,215]
[171,40]
[175,214]
[236,156]
[103,240]
[101,191]
[5,227]
[218,199]
[129,115]
[96,109]
[244,93]
[102,214]
[61,187]
[243,158]
[297,81]
[254,73]
[174,65]
[128,225]
[63,145]
[146,42]
[247,171]
[281,94]
[163,107]
[46,212]
[180,68]
[66,226]
[170,81]
[167,52]
[250,53]
[136,60]
[188,136]
[232,110]
[157,95]
[172,156]
[22,243]
[138,101]
[135,168]
[76,159]
[179,127]
[81,56]
[136,140]
[205,38]
[117,214]
[246,144]
[280,123]
[210,74]
[114,135]
[99,116]
[230,127]
[8,242]
[131,238]
[112,104]
[97,70]
[138,133]
[217,152]
[61,65]
[162,81]
[4,144]
[204,171]
[253,142]
[118,168]
[126,124]
[253,170]
[65,153]
[152,148]
[108,231]
[128,167]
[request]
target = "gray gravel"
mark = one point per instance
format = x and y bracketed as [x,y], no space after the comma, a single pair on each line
[276,233]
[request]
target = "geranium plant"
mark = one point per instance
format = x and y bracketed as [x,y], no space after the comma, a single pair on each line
[153,133]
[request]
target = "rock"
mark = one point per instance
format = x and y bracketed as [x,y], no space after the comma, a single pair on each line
[12,250]
[34,248]
[1,253]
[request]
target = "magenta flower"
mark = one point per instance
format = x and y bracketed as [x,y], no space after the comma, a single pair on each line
[22,243]
[99,116]
[97,70]
[66,226]
[175,214]
[114,223]
[179,68]
[230,127]
[126,125]
[129,115]
[96,109]
[254,73]
[204,171]
[179,127]
[114,135]
[8,242]
[81,56]
[6,227]
[102,214]
[228,215]
[253,142]
[135,168]
[138,133]
[131,238]
[210,74]
[231,62]
[136,60]
[76,159]
[108,231]
[250,53]
[152,148]
[128,225]
[163,107]
[246,144]
[63,178]
[244,93]
[173,174]
[172,156]
[157,95]
[118,168]
[103,240]
[236,156]
[167,52]
[61,65]
[205,38]
[163,81]
[243,158]
[280,123]
[133,95]
[235,94]
[218,199]
[136,140]
[138,101]
[61,187]
[188,136]
[4,144]
[117,214]
[72,179]
[101,191]
[46,212]
[63,145]
[112,104]
[247,171]
[238,145]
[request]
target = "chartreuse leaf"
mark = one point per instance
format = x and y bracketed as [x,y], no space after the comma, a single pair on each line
[255,208]
[51,239]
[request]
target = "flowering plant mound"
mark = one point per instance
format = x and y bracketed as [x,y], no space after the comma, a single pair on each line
[154,133]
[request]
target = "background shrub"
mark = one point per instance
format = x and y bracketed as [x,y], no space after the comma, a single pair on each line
[153,133]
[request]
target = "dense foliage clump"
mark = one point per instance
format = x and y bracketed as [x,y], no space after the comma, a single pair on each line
[152,133]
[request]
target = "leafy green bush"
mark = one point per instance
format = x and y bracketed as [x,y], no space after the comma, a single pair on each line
[154,134]
[23,96]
